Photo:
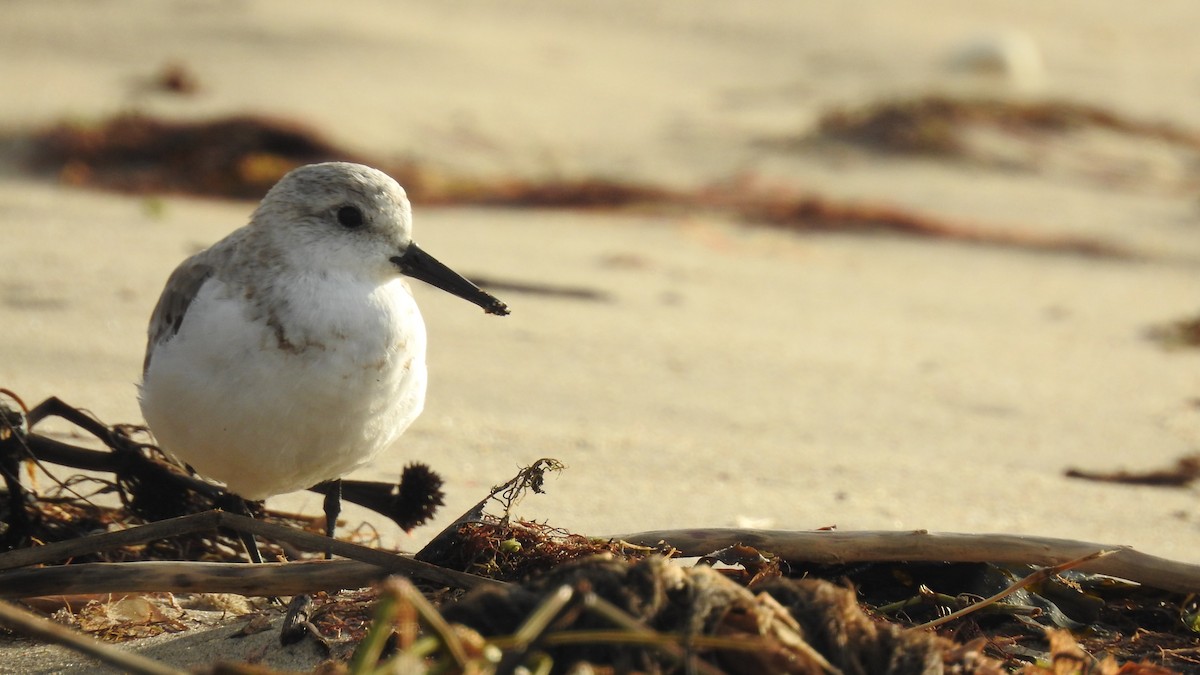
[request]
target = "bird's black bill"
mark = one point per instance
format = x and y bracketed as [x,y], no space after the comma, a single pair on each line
[420,265]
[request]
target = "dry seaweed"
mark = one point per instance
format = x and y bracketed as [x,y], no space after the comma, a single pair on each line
[1061,139]
[1184,473]
[241,157]
[934,125]
[238,157]
[785,625]
[655,616]
[522,550]
[799,211]
[176,78]
[1180,334]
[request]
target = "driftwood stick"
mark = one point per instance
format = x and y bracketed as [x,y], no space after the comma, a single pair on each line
[391,562]
[62,550]
[27,623]
[158,576]
[11,582]
[833,548]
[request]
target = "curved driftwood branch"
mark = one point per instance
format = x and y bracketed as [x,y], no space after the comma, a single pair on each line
[833,548]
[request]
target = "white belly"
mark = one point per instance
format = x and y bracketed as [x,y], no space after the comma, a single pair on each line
[266,417]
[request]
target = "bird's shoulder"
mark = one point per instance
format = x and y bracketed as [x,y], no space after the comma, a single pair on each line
[184,285]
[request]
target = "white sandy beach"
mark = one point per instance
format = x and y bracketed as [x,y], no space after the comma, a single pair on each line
[731,375]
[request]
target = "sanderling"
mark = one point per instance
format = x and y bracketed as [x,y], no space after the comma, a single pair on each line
[292,352]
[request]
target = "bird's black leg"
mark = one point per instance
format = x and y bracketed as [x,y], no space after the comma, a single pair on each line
[248,542]
[333,508]
[235,504]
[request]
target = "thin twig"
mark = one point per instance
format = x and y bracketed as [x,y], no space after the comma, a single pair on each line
[1038,575]
[106,541]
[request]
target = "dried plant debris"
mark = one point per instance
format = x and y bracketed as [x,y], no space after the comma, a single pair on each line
[596,193]
[1107,616]
[1055,136]
[152,487]
[176,78]
[934,124]
[476,533]
[565,600]
[241,157]
[1117,622]
[653,615]
[805,212]
[1180,334]
[1184,473]
[128,618]
[512,551]
[338,622]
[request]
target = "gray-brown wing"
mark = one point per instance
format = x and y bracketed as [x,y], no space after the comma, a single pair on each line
[182,287]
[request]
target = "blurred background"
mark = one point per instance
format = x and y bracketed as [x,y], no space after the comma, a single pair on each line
[771,264]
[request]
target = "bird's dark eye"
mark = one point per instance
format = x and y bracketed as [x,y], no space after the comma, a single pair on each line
[349,217]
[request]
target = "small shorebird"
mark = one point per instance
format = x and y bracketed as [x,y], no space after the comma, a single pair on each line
[292,351]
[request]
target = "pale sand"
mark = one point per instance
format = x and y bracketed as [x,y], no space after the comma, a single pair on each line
[734,374]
